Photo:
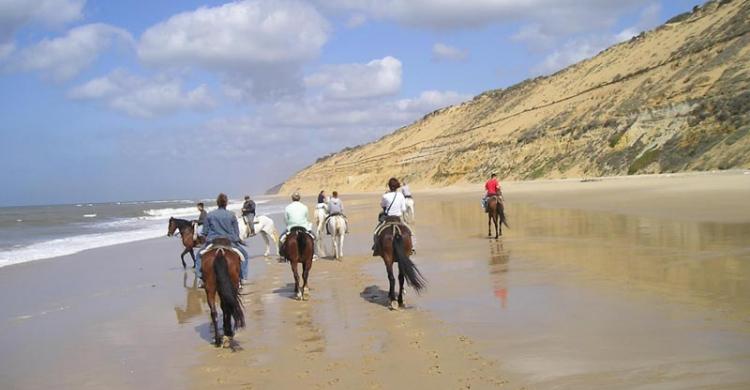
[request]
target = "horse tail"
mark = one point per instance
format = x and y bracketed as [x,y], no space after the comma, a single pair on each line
[501,214]
[406,267]
[228,291]
[301,242]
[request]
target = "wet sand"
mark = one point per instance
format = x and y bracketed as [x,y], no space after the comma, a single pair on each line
[606,284]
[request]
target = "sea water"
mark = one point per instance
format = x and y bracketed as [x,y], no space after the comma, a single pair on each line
[30,233]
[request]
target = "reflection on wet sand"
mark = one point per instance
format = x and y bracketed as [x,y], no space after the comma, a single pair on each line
[195,299]
[597,297]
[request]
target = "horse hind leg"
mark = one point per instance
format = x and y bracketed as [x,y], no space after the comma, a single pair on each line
[182,258]
[297,292]
[267,241]
[392,286]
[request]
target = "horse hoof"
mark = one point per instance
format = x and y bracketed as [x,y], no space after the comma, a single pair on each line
[217,343]
[226,342]
[298,296]
[394,305]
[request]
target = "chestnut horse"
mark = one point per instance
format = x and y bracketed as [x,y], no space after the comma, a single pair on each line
[394,246]
[298,248]
[185,228]
[220,266]
[496,214]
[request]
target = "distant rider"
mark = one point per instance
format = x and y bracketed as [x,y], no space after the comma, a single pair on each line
[295,215]
[492,188]
[336,207]
[248,214]
[405,189]
[222,223]
[197,223]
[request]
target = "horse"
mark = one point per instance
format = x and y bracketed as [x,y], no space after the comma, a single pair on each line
[264,227]
[321,213]
[220,266]
[185,228]
[337,227]
[409,213]
[496,214]
[394,241]
[298,248]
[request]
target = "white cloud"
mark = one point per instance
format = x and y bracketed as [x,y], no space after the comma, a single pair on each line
[14,14]
[140,97]
[356,20]
[380,77]
[261,43]
[580,48]
[443,52]
[457,14]
[64,57]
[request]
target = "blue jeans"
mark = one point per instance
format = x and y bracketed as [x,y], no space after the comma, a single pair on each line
[243,262]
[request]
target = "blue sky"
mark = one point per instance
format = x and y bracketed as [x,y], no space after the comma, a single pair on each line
[120,100]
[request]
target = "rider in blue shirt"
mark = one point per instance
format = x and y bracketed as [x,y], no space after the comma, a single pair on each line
[222,223]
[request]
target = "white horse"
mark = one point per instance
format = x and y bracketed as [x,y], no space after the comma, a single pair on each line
[321,212]
[263,227]
[409,213]
[337,227]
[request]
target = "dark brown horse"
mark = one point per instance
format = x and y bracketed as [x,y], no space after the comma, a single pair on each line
[394,245]
[496,215]
[221,273]
[185,228]
[298,248]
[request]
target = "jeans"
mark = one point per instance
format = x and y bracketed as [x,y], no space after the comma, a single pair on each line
[243,262]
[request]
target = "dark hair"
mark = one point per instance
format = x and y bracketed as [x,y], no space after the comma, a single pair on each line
[335,194]
[494,175]
[200,204]
[222,201]
[247,197]
[296,197]
[393,184]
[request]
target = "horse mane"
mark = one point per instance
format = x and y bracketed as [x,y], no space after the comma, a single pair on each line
[182,222]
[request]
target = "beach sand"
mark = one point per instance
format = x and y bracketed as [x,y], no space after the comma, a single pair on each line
[618,283]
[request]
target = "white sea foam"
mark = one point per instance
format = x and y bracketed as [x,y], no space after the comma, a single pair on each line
[70,245]
[89,215]
[127,230]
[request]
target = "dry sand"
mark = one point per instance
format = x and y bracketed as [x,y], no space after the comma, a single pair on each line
[621,283]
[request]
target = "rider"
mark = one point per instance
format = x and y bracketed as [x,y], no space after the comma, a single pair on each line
[200,221]
[492,188]
[222,223]
[335,207]
[405,189]
[322,197]
[248,214]
[295,215]
[394,205]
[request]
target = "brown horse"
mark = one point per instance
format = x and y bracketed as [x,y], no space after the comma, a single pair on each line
[221,273]
[298,248]
[496,215]
[394,243]
[185,228]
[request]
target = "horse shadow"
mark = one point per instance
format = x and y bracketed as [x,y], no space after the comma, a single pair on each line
[286,291]
[375,295]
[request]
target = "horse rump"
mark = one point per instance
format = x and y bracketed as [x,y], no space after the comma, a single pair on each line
[228,292]
[407,267]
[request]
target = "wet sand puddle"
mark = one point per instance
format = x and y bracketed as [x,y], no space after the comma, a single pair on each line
[570,298]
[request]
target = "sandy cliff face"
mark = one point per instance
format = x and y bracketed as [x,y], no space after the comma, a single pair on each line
[673,99]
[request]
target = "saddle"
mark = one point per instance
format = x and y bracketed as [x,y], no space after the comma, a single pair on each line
[221,244]
[396,223]
[298,229]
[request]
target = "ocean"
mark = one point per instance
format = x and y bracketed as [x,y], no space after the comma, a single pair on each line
[29,233]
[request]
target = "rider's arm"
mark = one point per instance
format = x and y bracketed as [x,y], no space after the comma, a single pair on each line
[235,228]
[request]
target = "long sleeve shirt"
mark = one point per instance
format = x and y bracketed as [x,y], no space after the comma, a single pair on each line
[221,223]
[295,214]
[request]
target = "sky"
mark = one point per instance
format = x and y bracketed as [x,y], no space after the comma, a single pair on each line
[142,100]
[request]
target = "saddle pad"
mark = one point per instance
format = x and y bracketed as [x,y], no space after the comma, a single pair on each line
[211,247]
[397,225]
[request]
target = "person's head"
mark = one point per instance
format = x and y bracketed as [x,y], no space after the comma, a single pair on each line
[296,197]
[222,201]
[493,176]
[200,205]
[322,192]
[335,194]
[247,197]
[393,184]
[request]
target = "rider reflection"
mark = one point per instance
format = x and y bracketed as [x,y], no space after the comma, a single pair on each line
[499,259]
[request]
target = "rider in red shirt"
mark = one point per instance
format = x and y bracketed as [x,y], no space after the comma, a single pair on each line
[492,188]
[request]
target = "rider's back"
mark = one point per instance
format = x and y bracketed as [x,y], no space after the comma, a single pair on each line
[296,215]
[221,223]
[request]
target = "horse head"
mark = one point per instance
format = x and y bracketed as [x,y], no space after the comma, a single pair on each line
[171,227]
